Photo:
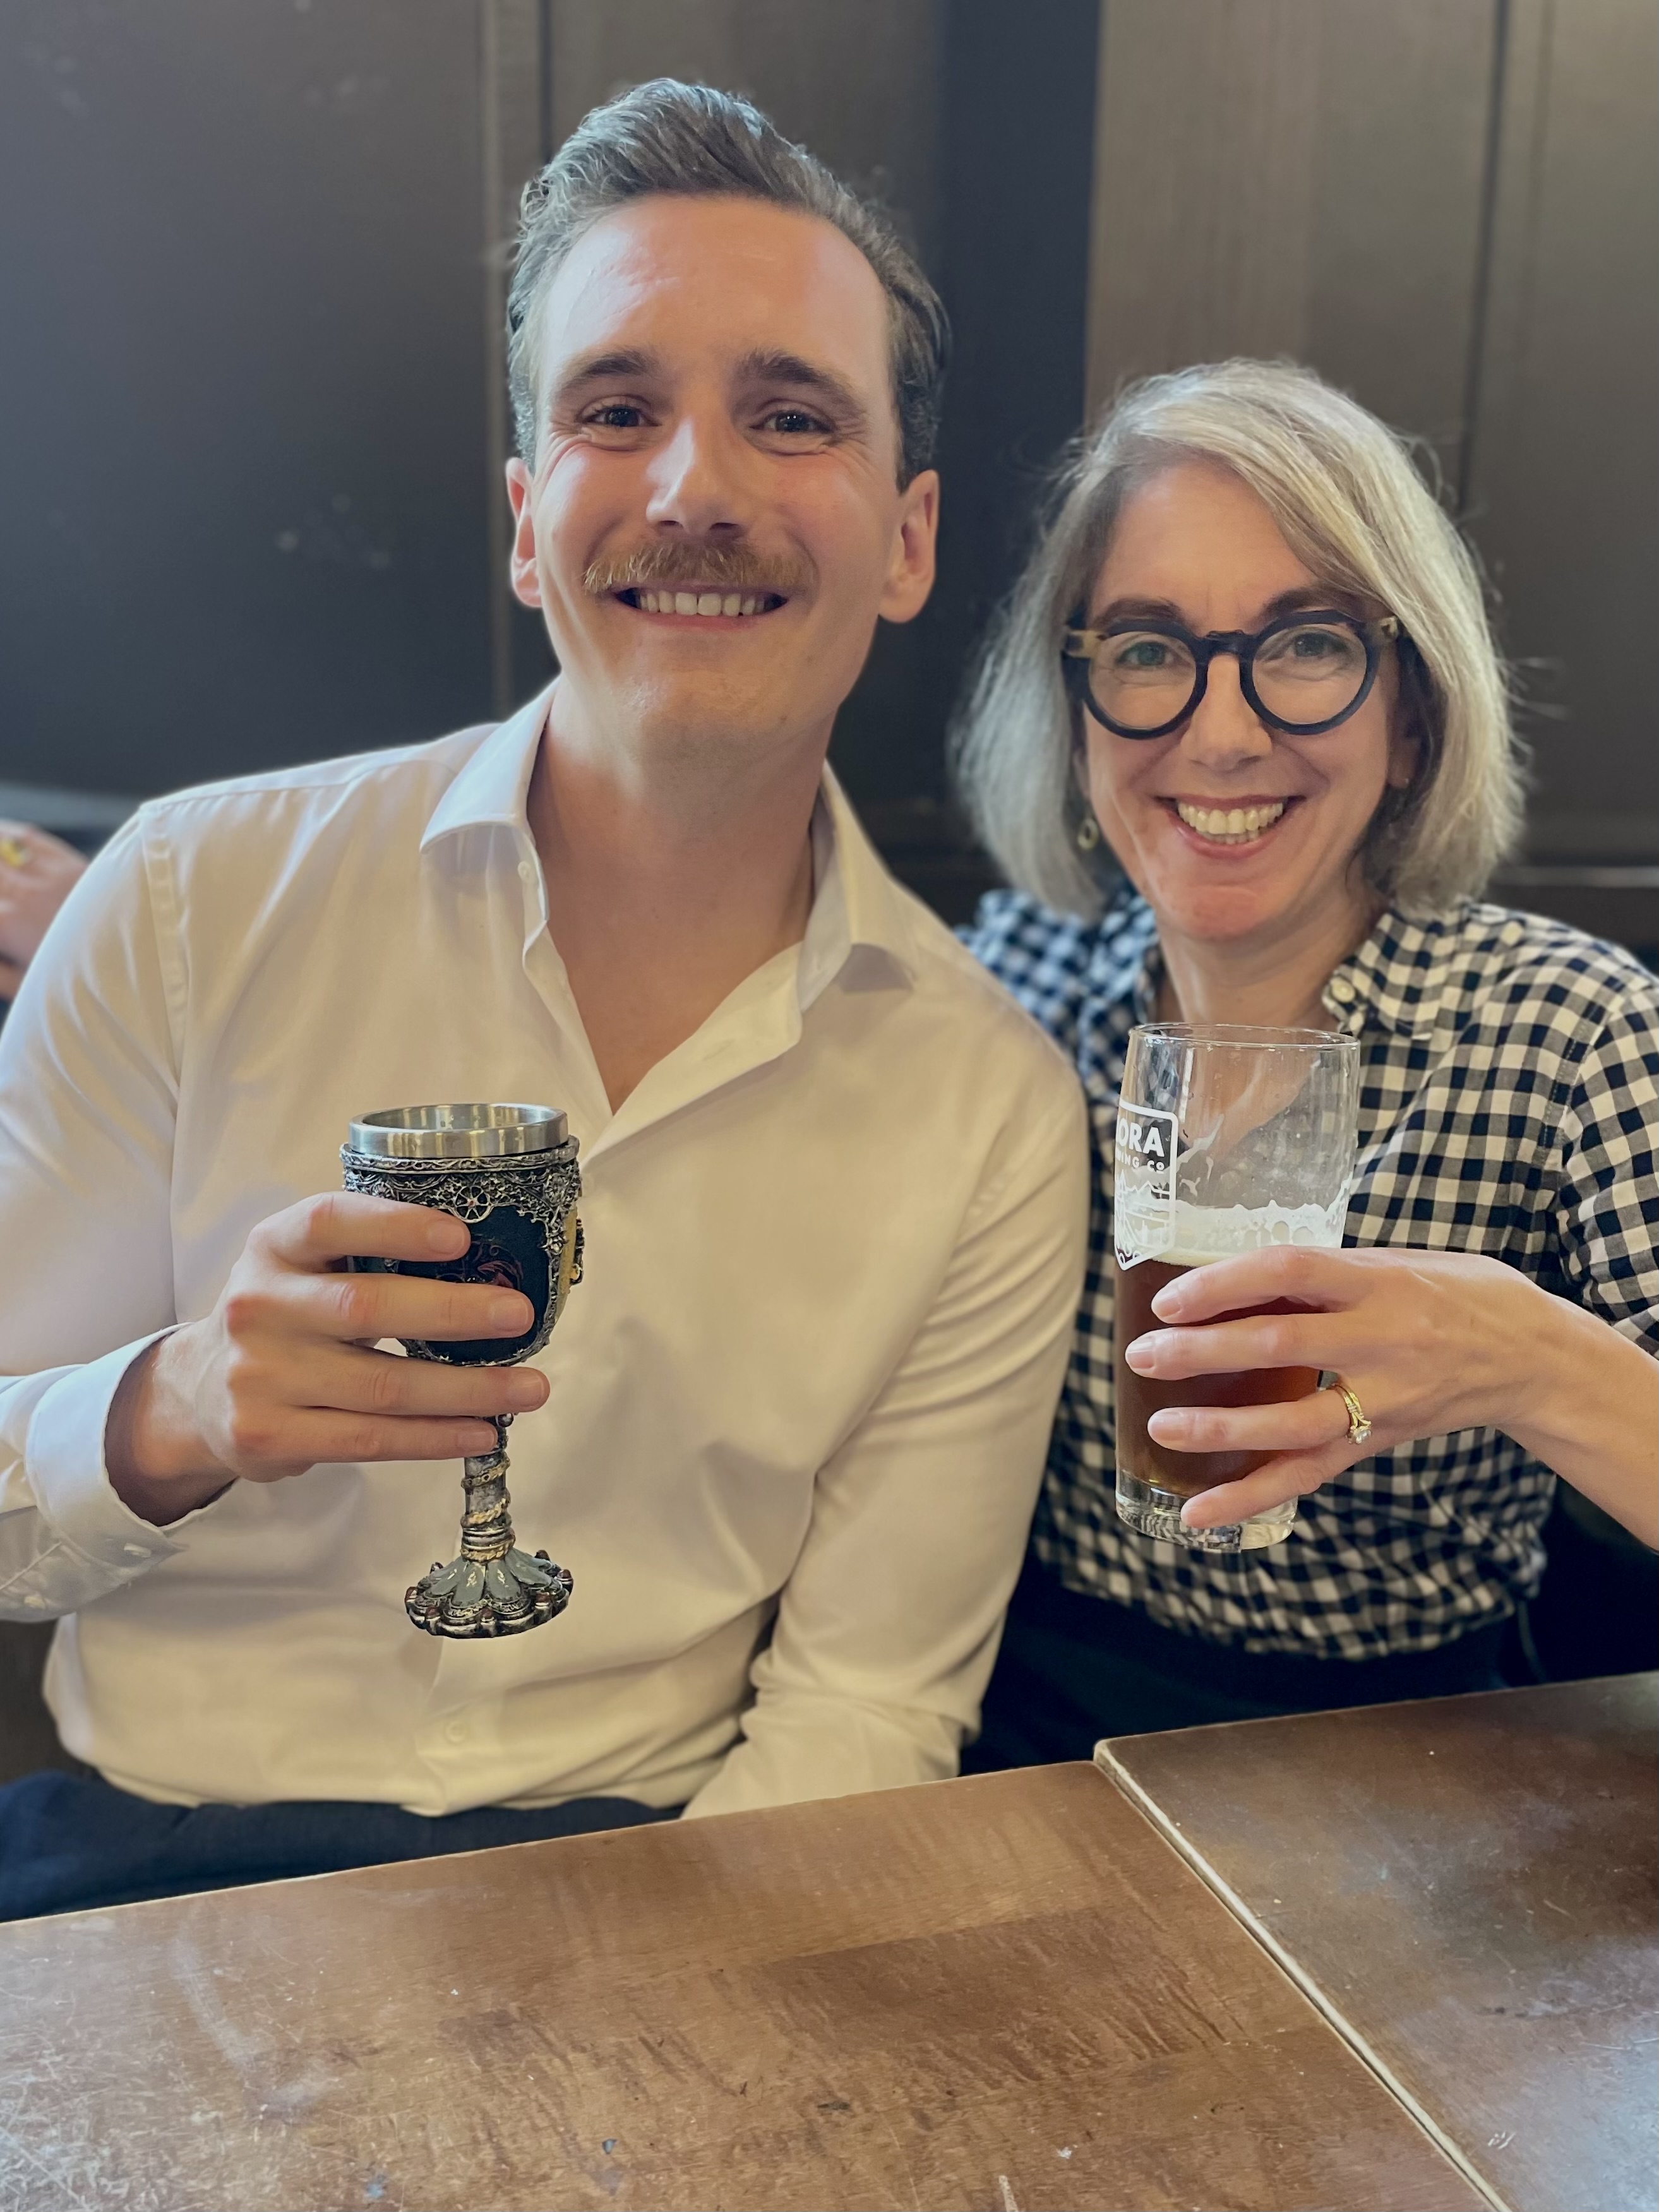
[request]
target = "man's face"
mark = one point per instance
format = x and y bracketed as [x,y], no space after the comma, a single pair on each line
[713,522]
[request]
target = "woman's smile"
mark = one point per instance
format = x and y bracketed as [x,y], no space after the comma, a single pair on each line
[1232,826]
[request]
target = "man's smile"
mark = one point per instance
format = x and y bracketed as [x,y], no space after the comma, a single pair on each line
[702,602]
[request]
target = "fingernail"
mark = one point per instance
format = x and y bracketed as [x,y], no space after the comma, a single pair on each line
[445,1234]
[1168,1302]
[522,1391]
[1142,1354]
[509,1313]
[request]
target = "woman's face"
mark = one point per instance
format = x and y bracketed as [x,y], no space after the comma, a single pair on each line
[1195,545]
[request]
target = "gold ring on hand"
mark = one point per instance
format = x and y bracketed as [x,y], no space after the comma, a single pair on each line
[1359,1428]
[14,852]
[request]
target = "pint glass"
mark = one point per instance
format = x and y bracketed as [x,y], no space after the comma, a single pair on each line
[1228,1138]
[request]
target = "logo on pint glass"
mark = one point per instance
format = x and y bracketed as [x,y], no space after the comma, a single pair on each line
[1143,1195]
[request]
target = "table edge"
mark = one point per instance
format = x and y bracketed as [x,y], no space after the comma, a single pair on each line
[1109,1765]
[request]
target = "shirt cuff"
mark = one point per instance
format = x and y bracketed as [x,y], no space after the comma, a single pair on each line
[71,1481]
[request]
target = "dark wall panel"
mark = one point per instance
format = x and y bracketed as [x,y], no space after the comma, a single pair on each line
[244,442]
[1451,208]
[1564,477]
[1294,176]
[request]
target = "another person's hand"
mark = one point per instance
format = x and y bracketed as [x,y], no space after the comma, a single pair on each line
[1428,1343]
[37,873]
[283,1372]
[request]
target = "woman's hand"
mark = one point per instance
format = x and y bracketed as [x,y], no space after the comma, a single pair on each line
[1428,1342]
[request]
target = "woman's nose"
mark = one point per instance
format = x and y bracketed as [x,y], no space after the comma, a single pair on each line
[1225,731]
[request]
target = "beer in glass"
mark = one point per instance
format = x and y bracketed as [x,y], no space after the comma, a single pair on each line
[1228,1138]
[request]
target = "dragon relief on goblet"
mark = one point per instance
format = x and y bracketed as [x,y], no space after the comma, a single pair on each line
[509,1172]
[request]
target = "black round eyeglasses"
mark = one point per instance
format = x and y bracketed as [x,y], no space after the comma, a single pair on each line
[1303,674]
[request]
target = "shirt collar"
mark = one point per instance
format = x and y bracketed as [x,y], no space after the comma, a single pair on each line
[1399,978]
[493,786]
[855,902]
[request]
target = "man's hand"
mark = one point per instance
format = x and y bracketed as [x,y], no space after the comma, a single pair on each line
[282,1373]
[37,873]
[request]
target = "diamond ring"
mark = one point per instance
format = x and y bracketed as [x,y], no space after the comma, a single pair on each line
[1359,1429]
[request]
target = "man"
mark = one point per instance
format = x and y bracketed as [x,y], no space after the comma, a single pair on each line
[788,1434]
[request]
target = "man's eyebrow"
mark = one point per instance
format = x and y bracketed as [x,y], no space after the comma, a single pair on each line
[771,367]
[609,365]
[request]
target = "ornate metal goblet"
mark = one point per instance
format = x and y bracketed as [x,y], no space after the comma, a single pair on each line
[510,1173]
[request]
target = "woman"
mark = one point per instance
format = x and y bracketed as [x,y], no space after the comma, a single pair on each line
[1181,854]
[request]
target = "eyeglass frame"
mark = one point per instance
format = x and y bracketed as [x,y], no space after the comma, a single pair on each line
[1080,647]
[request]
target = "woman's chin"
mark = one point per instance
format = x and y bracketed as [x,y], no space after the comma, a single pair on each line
[1220,914]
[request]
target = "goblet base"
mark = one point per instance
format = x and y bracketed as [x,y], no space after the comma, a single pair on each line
[498,1598]
[492,1588]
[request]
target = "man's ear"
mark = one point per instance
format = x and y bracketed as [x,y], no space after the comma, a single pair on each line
[910,569]
[521,565]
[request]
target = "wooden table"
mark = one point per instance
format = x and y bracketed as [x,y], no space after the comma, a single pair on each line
[1006,1992]
[1466,1887]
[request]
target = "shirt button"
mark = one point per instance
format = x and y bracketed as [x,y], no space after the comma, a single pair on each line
[1342,989]
[456,1731]
[525,870]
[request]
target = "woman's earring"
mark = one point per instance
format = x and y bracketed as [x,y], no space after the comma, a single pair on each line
[1088,834]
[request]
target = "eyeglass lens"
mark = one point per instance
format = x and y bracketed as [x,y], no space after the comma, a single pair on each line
[1304,673]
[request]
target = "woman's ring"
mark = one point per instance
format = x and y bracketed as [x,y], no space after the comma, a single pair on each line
[1359,1429]
[14,852]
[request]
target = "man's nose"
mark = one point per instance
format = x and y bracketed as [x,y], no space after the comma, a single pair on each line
[698,480]
[1225,731]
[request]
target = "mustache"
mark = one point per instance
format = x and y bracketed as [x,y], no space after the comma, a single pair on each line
[691,561]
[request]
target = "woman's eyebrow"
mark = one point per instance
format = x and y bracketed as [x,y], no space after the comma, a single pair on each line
[772,367]
[1311,595]
[1134,610]
[1334,595]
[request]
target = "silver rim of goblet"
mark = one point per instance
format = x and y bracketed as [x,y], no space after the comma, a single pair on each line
[475,1132]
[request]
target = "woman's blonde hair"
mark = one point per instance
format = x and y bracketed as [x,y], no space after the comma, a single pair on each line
[1344,492]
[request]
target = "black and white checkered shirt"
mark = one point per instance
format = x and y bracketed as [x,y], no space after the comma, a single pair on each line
[1509,1105]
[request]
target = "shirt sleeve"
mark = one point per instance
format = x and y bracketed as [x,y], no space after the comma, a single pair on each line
[88,1095]
[887,1628]
[1607,1199]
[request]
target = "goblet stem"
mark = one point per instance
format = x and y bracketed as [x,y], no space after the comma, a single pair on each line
[492,1588]
[486,1522]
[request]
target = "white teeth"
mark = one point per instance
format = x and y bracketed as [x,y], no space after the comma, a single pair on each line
[725,604]
[1234,825]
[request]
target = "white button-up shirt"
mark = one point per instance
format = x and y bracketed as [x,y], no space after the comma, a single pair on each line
[798,1404]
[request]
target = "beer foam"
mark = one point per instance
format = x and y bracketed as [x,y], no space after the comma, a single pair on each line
[1202,1233]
